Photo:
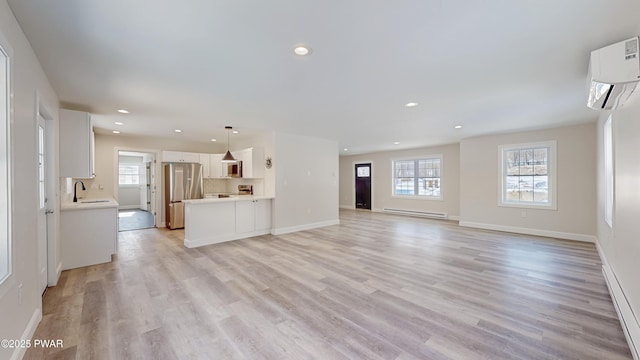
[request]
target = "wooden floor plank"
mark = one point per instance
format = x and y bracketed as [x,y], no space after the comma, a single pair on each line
[376,286]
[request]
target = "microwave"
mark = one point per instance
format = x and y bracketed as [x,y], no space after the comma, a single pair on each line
[234,169]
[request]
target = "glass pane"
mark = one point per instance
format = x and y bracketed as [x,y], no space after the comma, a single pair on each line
[513,162]
[363,171]
[404,186]
[404,169]
[541,189]
[429,186]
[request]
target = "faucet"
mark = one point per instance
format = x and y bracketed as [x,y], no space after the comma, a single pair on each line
[75,198]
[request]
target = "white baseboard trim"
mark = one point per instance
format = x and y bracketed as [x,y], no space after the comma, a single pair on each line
[628,320]
[454,217]
[350,207]
[527,231]
[290,229]
[58,273]
[222,238]
[19,352]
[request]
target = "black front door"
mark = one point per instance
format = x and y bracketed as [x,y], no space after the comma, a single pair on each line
[363,186]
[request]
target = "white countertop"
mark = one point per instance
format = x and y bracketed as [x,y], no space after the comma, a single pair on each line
[227,199]
[87,204]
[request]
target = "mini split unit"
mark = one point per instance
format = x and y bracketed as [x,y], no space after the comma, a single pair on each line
[614,73]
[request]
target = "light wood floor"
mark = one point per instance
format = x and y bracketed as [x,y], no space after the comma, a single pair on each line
[375,287]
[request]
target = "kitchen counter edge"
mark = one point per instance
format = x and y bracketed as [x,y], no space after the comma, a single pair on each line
[71,206]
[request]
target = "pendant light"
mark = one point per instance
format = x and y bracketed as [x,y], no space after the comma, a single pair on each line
[228,158]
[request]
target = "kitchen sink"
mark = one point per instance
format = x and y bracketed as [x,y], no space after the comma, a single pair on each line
[93,201]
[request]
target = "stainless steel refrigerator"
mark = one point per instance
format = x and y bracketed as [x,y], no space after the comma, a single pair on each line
[182,181]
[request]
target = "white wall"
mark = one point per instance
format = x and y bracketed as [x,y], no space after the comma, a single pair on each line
[306,183]
[28,79]
[382,180]
[576,184]
[620,245]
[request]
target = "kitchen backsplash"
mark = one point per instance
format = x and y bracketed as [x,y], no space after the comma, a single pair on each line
[231,185]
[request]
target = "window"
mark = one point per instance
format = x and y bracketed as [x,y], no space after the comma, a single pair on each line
[129,174]
[528,175]
[5,158]
[417,177]
[608,172]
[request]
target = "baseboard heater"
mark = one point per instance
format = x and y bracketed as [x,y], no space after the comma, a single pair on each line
[426,214]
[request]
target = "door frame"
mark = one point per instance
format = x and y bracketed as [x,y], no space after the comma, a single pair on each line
[157,169]
[54,259]
[353,181]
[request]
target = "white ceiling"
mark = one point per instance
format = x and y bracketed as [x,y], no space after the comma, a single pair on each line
[198,65]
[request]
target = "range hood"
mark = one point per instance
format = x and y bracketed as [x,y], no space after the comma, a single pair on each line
[614,73]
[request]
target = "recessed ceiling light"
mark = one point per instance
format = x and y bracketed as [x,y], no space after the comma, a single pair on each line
[235,131]
[411,104]
[458,127]
[178,130]
[123,111]
[345,149]
[301,50]
[396,143]
[118,123]
[116,132]
[214,140]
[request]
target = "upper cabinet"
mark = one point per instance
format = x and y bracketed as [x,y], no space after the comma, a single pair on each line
[205,161]
[252,162]
[76,144]
[179,156]
[217,166]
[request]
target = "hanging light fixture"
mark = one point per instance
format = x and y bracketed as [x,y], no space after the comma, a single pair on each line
[228,158]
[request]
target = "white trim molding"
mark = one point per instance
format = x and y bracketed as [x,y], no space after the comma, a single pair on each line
[628,320]
[528,231]
[27,335]
[290,229]
[350,207]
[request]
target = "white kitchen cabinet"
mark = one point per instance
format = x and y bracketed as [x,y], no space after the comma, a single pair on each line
[262,214]
[179,156]
[253,215]
[252,163]
[215,161]
[212,221]
[88,236]
[76,144]
[205,161]
[245,216]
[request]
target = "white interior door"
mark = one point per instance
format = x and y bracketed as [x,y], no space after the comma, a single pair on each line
[42,205]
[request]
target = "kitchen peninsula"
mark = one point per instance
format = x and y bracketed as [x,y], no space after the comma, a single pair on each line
[215,220]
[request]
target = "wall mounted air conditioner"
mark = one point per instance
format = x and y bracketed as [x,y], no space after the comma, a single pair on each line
[614,73]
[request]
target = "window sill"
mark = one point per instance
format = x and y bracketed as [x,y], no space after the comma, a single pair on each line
[529,206]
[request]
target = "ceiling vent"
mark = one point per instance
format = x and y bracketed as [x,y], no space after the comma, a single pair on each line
[614,73]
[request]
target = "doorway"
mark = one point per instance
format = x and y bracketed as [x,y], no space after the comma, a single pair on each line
[136,190]
[363,186]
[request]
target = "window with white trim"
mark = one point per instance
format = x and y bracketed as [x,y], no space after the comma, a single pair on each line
[129,174]
[417,177]
[528,175]
[5,175]
[608,172]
